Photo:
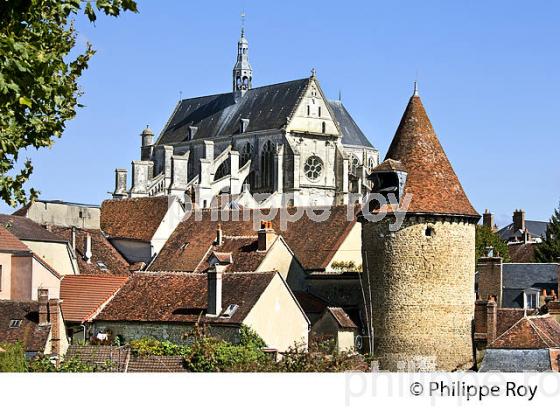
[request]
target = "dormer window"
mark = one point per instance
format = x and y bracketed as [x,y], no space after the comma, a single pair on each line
[531,298]
[191,132]
[243,125]
[15,323]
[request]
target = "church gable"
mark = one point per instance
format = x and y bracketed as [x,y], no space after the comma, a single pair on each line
[313,113]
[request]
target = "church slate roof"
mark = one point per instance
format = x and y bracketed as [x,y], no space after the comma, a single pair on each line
[431,180]
[537,229]
[265,107]
[516,360]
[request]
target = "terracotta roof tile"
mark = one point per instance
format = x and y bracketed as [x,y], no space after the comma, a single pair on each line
[26,229]
[313,243]
[136,218]
[530,332]
[10,243]
[185,298]
[105,260]
[83,295]
[104,358]
[33,337]
[342,318]
[156,364]
[244,253]
[431,179]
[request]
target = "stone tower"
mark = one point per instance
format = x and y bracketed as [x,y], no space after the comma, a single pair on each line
[420,276]
[242,71]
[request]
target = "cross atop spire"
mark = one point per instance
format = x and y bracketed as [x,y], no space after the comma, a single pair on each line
[242,24]
[415,93]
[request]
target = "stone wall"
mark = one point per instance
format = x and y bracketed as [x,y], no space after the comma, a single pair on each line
[422,291]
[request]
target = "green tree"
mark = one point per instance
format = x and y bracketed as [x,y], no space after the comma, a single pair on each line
[12,359]
[549,249]
[38,79]
[486,237]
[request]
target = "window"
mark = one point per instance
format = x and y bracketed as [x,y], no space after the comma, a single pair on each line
[371,164]
[14,323]
[429,231]
[324,127]
[531,299]
[102,266]
[308,111]
[313,167]
[319,112]
[230,310]
[246,153]
[353,164]
[267,165]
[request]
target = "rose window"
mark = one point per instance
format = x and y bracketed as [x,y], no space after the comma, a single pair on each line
[313,168]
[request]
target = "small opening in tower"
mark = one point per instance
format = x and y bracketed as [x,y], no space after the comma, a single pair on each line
[323,127]
[429,231]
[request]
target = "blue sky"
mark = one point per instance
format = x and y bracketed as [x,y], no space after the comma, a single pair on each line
[487,72]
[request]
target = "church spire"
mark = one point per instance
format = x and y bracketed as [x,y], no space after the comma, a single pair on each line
[242,71]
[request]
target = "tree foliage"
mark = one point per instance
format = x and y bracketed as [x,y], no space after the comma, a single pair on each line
[486,237]
[38,79]
[13,358]
[549,249]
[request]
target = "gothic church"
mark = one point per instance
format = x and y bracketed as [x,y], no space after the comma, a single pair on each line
[278,145]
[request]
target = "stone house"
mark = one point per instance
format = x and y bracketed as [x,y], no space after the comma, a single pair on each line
[139,227]
[286,141]
[47,245]
[22,272]
[221,301]
[38,325]
[336,325]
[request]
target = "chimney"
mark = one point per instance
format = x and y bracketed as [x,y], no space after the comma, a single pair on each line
[519,220]
[219,235]
[491,319]
[488,219]
[43,299]
[490,280]
[266,236]
[214,291]
[54,312]
[87,248]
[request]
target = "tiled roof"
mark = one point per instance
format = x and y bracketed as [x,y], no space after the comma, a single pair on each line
[9,242]
[431,180]
[105,260]
[33,337]
[530,332]
[522,252]
[526,275]
[506,318]
[313,243]
[515,360]
[244,254]
[27,230]
[104,358]
[342,318]
[156,364]
[122,360]
[83,295]
[185,297]
[310,303]
[136,218]
[390,165]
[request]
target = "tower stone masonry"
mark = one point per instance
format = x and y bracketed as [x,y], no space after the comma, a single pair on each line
[420,278]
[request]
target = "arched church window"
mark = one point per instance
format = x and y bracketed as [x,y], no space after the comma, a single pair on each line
[324,127]
[353,164]
[223,170]
[246,153]
[267,165]
[371,164]
[313,168]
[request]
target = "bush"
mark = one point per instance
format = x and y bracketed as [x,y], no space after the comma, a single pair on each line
[13,358]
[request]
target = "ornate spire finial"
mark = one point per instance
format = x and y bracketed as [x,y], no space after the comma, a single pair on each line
[313,72]
[415,94]
[243,24]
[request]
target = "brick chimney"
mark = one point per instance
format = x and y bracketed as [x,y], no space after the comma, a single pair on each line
[43,299]
[488,219]
[266,236]
[214,291]
[54,312]
[491,319]
[87,248]
[519,220]
[490,278]
[219,235]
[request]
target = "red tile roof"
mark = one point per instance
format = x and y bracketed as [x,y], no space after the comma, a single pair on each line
[530,332]
[102,252]
[313,243]
[183,297]
[27,230]
[342,318]
[10,243]
[244,254]
[431,180]
[33,337]
[83,295]
[156,364]
[136,218]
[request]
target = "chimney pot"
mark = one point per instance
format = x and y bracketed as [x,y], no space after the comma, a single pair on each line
[87,248]
[214,292]
[43,299]
[519,220]
[219,235]
[266,236]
